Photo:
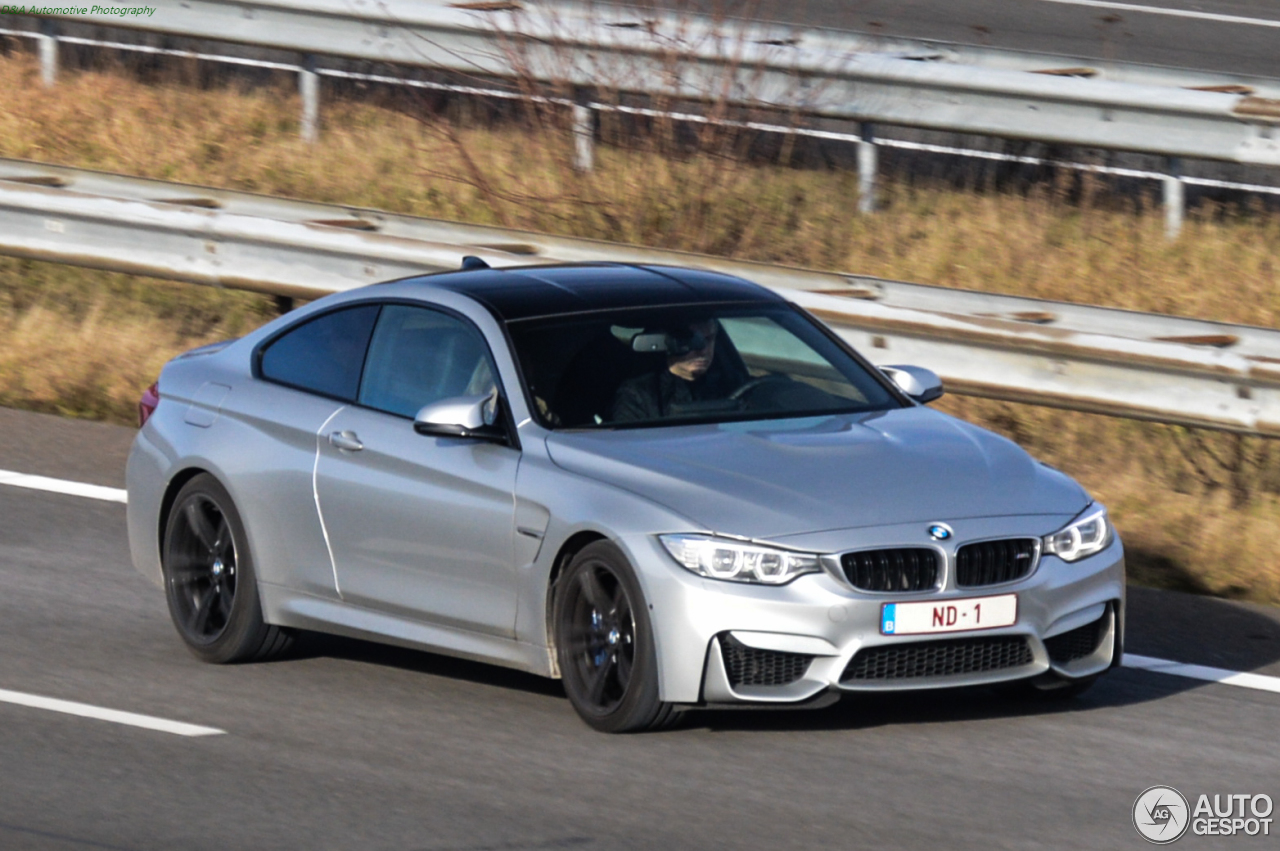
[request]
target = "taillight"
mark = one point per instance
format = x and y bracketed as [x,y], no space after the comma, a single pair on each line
[147,404]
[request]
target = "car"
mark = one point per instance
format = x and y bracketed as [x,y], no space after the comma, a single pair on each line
[670,488]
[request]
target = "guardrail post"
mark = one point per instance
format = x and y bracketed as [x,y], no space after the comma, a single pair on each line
[48,47]
[584,138]
[309,88]
[868,165]
[1174,199]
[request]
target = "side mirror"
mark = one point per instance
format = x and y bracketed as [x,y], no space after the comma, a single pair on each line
[919,383]
[473,417]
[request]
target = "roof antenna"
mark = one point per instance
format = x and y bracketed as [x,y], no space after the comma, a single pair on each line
[471,262]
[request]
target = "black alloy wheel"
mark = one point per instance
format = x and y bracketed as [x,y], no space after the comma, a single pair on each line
[209,578]
[602,637]
[604,644]
[201,568]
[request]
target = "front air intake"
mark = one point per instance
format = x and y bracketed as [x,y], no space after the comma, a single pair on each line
[1076,644]
[919,659]
[750,666]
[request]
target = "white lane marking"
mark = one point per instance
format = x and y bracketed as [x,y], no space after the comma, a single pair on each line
[1173,13]
[44,483]
[86,710]
[1202,672]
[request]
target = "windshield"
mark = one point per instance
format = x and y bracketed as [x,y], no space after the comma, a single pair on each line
[691,363]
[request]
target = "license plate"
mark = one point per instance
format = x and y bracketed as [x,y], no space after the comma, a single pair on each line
[949,615]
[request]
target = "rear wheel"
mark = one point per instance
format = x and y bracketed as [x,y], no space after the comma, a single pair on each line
[209,579]
[605,646]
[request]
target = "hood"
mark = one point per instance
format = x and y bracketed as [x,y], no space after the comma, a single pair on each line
[784,477]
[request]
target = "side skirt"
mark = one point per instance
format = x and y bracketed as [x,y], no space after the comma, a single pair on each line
[285,607]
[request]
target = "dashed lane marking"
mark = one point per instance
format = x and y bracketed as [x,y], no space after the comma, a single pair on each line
[1139,8]
[101,713]
[44,483]
[1261,682]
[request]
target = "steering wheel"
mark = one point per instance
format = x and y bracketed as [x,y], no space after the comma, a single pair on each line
[754,383]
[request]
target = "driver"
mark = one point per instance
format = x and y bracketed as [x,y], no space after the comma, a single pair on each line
[688,377]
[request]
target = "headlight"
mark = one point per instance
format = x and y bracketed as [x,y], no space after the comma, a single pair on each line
[1084,536]
[720,558]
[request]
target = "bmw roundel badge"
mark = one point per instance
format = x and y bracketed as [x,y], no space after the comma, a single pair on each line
[940,531]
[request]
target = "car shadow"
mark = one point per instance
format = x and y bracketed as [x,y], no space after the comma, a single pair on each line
[871,710]
[314,645]
[1164,624]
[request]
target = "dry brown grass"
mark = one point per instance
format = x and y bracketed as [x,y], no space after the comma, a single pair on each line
[86,343]
[88,369]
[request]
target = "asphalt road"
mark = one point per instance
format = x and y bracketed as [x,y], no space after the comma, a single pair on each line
[1200,34]
[351,745]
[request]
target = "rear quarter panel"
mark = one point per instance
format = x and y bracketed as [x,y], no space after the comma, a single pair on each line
[259,442]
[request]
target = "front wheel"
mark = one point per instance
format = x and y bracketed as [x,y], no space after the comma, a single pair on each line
[604,643]
[209,580]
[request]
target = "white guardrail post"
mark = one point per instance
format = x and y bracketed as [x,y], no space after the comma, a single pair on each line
[868,166]
[48,48]
[309,90]
[584,138]
[1174,199]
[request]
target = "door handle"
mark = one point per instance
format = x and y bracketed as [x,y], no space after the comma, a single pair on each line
[346,440]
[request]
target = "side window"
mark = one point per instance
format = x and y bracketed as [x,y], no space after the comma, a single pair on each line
[323,355]
[419,356]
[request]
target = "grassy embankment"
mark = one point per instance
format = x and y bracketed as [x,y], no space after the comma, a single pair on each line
[85,343]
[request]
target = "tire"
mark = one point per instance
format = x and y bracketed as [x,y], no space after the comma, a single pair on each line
[604,644]
[209,580]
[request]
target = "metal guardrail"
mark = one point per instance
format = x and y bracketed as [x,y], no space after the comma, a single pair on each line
[817,73]
[1052,64]
[672,32]
[1138,365]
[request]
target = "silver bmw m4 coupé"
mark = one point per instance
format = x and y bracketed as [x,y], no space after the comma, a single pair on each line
[667,487]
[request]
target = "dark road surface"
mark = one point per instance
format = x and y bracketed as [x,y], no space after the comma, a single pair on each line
[351,745]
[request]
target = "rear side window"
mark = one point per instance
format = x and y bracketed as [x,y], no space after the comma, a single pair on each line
[324,355]
[419,356]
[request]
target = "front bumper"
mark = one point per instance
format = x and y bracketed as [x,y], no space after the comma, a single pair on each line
[819,624]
